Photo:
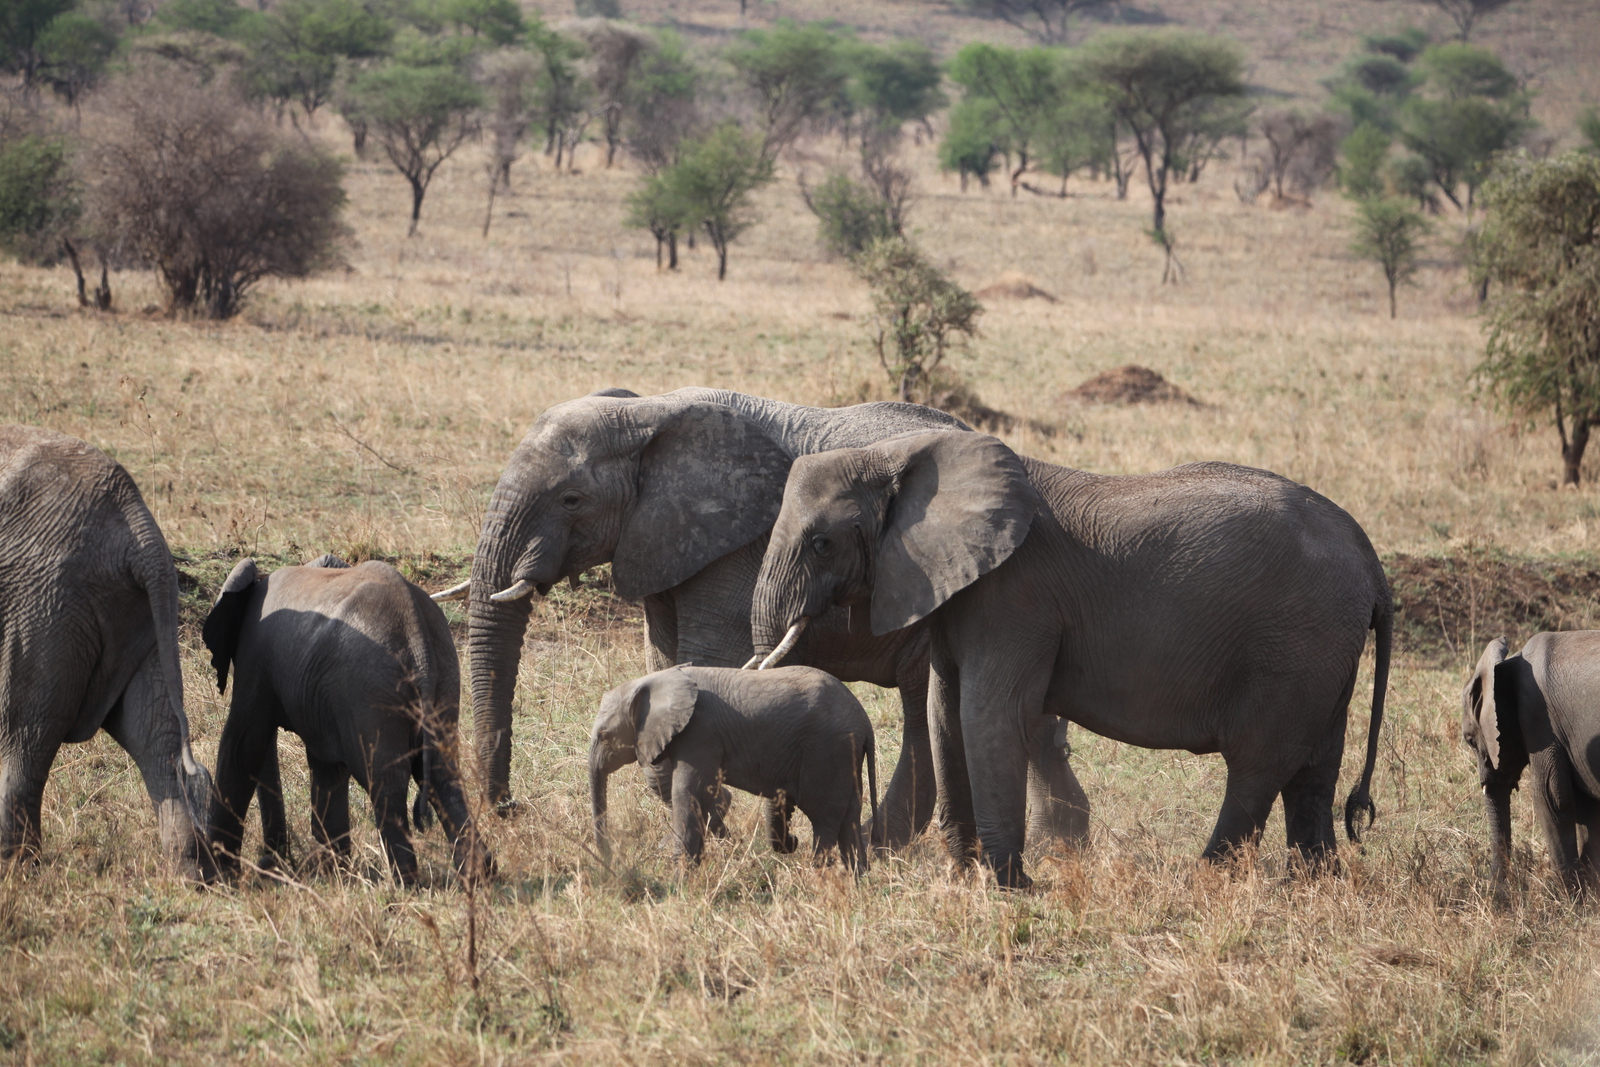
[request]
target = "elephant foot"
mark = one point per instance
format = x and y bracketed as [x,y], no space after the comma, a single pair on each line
[507,808]
[1008,872]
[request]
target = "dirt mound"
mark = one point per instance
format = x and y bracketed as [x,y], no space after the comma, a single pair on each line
[1130,385]
[1013,285]
[958,399]
[1450,606]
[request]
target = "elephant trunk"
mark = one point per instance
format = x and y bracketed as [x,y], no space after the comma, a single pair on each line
[494,648]
[1497,802]
[598,777]
[775,611]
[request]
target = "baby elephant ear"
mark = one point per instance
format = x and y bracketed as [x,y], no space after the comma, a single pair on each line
[662,706]
[221,630]
[328,559]
[1488,711]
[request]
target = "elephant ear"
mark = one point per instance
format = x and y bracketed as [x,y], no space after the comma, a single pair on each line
[221,630]
[961,503]
[663,704]
[1481,697]
[329,560]
[710,481]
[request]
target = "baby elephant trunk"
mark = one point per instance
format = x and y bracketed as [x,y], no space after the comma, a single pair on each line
[598,776]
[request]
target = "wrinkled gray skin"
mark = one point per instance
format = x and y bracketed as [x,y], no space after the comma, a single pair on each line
[678,493]
[88,638]
[359,663]
[794,735]
[1540,710]
[1209,608]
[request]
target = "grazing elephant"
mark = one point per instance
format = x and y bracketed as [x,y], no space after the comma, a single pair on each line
[1541,707]
[359,663]
[796,736]
[88,638]
[678,493]
[1209,607]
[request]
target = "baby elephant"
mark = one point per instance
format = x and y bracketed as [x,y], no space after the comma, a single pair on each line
[358,662]
[795,735]
[1541,707]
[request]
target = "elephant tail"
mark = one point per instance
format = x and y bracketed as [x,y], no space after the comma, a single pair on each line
[1360,799]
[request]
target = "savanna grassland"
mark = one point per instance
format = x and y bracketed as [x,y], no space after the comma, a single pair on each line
[369,412]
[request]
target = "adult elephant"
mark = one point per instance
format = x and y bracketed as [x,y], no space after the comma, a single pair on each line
[678,493]
[1209,607]
[88,638]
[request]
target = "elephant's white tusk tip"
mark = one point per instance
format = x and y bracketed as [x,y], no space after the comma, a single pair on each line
[516,592]
[455,592]
[785,646]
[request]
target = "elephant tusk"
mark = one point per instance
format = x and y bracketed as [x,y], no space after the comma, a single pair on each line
[755,661]
[516,592]
[455,592]
[790,639]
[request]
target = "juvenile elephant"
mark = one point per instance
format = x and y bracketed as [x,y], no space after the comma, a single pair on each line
[1541,707]
[1209,607]
[358,662]
[88,638]
[678,493]
[796,736]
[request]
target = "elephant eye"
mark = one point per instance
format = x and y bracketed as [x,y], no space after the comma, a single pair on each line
[571,500]
[822,546]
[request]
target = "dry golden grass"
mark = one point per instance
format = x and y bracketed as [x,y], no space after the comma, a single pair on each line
[370,412]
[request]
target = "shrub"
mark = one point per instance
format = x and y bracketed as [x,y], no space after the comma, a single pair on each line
[198,185]
[850,216]
[916,312]
[1387,231]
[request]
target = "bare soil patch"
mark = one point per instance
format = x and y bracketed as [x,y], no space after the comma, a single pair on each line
[1448,606]
[1132,384]
[1013,285]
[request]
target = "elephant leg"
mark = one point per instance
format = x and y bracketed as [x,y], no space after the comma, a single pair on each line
[908,803]
[1246,803]
[852,841]
[954,808]
[388,791]
[688,816]
[23,771]
[824,838]
[1308,801]
[274,821]
[717,805]
[249,739]
[997,768]
[1589,845]
[660,632]
[330,806]
[1058,808]
[779,811]
[471,856]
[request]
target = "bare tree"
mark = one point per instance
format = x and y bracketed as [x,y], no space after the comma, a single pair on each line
[508,77]
[198,185]
[1300,151]
[614,53]
[1466,13]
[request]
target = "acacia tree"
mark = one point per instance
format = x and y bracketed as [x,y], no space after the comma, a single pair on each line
[1387,231]
[1166,89]
[712,182]
[1540,246]
[1022,87]
[615,51]
[1467,13]
[297,49]
[1046,20]
[794,74]
[1473,110]
[421,114]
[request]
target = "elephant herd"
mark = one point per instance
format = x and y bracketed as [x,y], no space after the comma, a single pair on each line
[778,551]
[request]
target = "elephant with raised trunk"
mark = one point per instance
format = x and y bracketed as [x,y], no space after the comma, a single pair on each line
[678,493]
[1209,607]
[88,638]
[1540,709]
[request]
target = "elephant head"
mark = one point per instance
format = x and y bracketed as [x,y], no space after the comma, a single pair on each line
[1491,727]
[636,722]
[604,479]
[894,529]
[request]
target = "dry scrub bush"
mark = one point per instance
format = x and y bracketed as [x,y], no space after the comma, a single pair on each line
[192,181]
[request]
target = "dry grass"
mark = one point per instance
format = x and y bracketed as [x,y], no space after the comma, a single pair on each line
[370,412]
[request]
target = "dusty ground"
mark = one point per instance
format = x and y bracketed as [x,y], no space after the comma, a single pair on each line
[369,413]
